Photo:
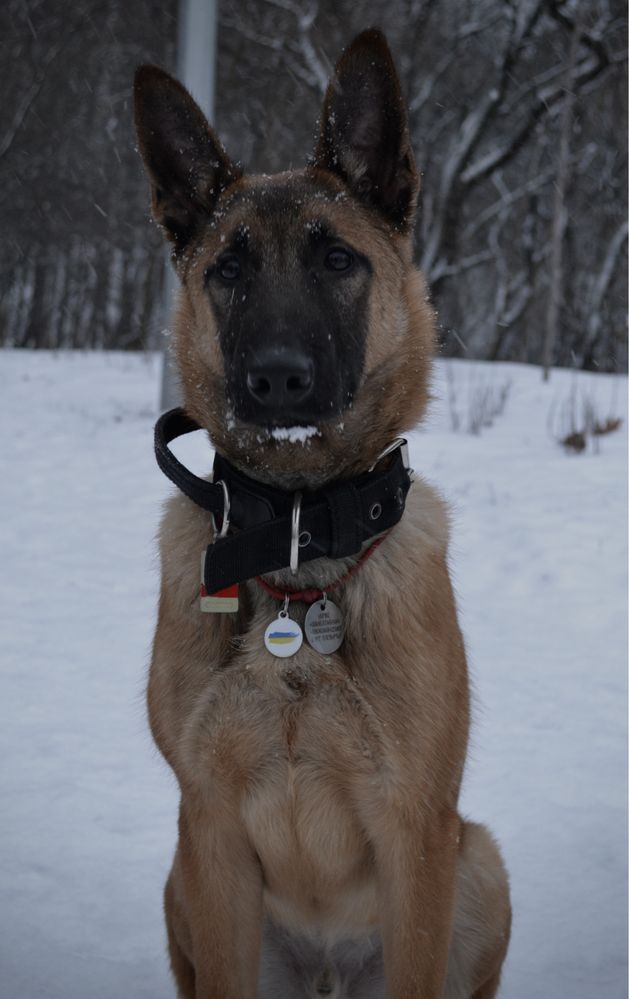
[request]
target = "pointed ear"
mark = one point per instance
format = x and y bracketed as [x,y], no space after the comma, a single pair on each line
[364,130]
[186,164]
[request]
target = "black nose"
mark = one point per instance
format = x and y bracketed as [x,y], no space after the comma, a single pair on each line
[280,378]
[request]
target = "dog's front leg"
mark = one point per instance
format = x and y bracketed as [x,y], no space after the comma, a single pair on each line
[222,888]
[416,862]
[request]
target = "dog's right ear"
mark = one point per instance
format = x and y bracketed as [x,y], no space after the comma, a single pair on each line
[186,164]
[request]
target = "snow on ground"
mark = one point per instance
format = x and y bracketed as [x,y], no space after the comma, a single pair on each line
[88,807]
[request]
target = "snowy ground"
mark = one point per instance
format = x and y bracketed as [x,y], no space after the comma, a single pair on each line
[89,809]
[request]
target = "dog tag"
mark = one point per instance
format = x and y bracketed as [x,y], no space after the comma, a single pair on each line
[283,637]
[325,627]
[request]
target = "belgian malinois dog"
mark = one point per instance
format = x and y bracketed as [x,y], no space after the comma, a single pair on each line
[320,848]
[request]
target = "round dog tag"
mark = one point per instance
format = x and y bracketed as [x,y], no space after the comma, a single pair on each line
[325,627]
[283,637]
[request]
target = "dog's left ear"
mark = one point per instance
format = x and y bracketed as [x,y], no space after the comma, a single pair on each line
[187,166]
[364,130]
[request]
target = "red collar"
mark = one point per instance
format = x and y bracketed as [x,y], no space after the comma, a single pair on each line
[311,595]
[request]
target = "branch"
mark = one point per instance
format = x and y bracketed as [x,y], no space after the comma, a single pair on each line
[472,129]
[587,38]
[581,160]
[603,282]
[427,87]
[305,18]
[417,18]
[275,43]
[443,270]
[588,70]
[29,98]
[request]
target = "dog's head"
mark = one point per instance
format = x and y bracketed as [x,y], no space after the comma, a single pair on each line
[303,334]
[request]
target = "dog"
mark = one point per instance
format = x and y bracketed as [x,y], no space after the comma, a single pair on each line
[320,849]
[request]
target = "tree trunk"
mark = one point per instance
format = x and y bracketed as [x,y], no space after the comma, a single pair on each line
[559,214]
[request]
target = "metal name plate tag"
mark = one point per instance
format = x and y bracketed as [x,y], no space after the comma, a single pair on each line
[325,627]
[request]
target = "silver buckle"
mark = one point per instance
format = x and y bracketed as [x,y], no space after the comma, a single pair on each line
[402,444]
[226,508]
[294,534]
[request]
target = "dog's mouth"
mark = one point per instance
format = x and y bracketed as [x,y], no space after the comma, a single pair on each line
[297,434]
[284,421]
[292,453]
[302,433]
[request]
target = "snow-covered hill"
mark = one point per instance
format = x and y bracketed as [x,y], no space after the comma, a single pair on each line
[539,559]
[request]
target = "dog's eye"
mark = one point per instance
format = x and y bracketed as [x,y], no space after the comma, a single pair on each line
[228,268]
[339,259]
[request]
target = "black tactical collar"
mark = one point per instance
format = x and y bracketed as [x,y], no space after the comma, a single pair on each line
[276,528]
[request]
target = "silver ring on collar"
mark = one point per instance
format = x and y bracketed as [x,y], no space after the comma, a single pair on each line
[226,509]
[294,534]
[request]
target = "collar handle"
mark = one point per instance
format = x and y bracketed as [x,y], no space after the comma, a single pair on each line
[176,423]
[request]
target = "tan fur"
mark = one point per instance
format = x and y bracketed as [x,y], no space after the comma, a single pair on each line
[323,789]
[319,793]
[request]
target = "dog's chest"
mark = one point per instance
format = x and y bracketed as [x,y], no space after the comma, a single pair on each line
[303,816]
[307,750]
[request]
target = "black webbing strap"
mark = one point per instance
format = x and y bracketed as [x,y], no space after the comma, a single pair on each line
[174,424]
[335,521]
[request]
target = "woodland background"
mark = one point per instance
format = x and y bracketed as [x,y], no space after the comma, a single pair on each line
[518,114]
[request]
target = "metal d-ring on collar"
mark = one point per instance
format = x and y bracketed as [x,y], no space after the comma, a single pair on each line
[402,444]
[294,534]
[226,509]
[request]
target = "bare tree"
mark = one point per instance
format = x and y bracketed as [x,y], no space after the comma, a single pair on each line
[486,88]
[497,132]
[559,219]
[78,265]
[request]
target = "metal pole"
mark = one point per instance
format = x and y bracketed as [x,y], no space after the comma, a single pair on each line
[196,61]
